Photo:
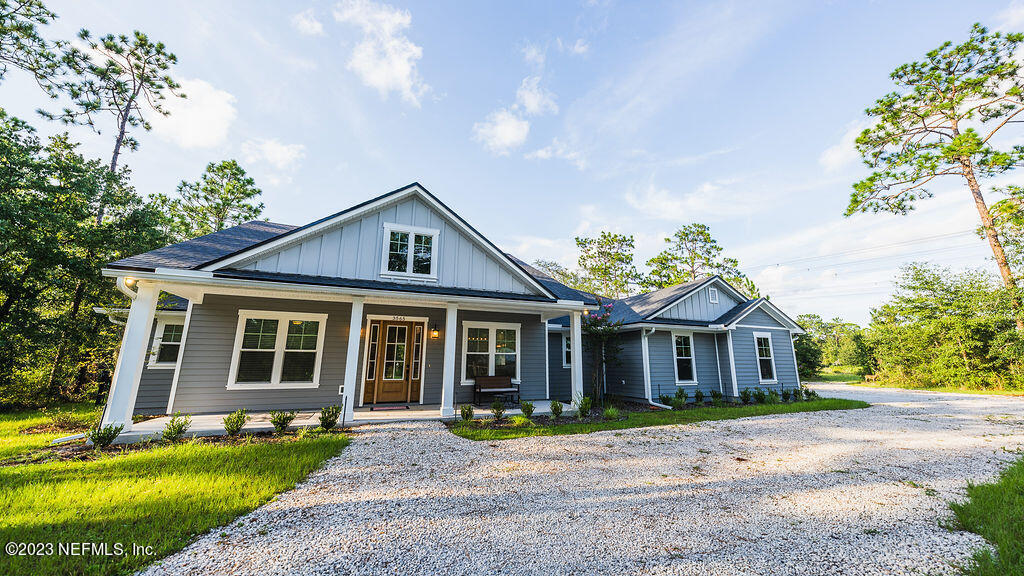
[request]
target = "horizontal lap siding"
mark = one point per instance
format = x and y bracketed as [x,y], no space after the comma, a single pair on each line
[154,385]
[206,359]
[662,357]
[723,363]
[532,336]
[560,378]
[747,374]
[625,370]
[434,352]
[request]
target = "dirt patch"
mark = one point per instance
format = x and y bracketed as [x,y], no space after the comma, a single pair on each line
[51,428]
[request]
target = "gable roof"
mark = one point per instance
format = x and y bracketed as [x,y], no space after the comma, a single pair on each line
[741,310]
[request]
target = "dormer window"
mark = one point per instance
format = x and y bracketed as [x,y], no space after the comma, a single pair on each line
[713,295]
[409,252]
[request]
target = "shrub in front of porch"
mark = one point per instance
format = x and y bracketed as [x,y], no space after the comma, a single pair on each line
[498,409]
[176,427]
[556,409]
[234,422]
[466,411]
[527,408]
[280,419]
[103,436]
[329,416]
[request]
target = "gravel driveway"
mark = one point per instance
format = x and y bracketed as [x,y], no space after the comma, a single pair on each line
[849,492]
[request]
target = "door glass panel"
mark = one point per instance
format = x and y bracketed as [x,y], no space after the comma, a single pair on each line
[417,349]
[371,362]
[394,353]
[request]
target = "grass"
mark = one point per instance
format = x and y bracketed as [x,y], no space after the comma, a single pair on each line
[846,374]
[161,498]
[995,511]
[14,443]
[946,389]
[659,418]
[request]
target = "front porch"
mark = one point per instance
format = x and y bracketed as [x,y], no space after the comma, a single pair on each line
[259,422]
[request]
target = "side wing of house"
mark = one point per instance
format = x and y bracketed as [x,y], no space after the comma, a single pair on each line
[705,304]
[763,352]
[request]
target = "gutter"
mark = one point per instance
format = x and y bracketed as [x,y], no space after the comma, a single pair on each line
[647,369]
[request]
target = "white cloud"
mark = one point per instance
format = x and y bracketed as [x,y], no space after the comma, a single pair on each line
[535,100]
[307,23]
[385,59]
[1012,17]
[501,132]
[534,54]
[559,149]
[579,47]
[273,152]
[709,201]
[843,153]
[201,120]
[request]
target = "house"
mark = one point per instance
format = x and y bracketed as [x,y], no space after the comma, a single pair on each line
[702,335]
[399,301]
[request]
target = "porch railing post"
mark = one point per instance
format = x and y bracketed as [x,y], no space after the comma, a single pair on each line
[448,374]
[352,357]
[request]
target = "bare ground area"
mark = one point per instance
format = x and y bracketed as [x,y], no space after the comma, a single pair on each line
[847,492]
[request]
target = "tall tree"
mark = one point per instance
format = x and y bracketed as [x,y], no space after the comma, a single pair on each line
[606,264]
[22,46]
[943,120]
[693,253]
[223,196]
[560,273]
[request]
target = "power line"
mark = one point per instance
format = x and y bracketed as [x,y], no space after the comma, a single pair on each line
[905,256]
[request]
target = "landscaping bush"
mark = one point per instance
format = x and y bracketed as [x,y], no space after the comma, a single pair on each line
[611,413]
[101,437]
[760,396]
[717,398]
[584,404]
[177,427]
[280,419]
[556,409]
[665,399]
[678,403]
[798,394]
[773,397]
[234,422]
[786,394]
[466,411]
[329,416]
[681,394]
[498,409]
[698,398]
[519,421]
[745,395]
[811,395]
[527,407]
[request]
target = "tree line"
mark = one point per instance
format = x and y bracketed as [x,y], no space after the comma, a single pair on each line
[63,215]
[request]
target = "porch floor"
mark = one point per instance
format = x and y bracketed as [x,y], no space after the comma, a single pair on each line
[213,425]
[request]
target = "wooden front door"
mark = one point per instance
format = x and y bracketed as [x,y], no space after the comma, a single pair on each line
[394,358]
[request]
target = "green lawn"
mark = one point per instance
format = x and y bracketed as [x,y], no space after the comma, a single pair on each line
[837,374]
[13,443]
[996,512]
[161,498]
[659,418]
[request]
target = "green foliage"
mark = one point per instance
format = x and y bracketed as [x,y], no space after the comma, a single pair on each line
[678,403]
[527,407]
[466,410]
[520,421]
[176,427]
[22,46]
[798,394]
[745,395]
[601,343]
[681,394]
[611,413]
[760,396]
[665,399]
[280,419]
[606,264]
[808,355]
[583,405]
[773,397]
[329,416]
[787,394]
[570,278]
[717,398]
[692,254]
[498,409]
[234,422]
[994,511]
[223,197]
[103,436]
[69,418]
[946,329]
[556,409]
[698,397]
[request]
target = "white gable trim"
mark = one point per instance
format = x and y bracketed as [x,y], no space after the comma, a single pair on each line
[414,189]
[722,283]
[773,311]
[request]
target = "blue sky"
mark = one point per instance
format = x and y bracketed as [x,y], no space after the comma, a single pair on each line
[539,121]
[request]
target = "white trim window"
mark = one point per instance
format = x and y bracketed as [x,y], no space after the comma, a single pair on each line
[409,252]
[489,349]
[765,356]
[713,295]
[566,351]
[277,350]
[166,344]
[682,354]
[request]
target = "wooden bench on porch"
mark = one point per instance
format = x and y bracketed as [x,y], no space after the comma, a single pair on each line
[494,385]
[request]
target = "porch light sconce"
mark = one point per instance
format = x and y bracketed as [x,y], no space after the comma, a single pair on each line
[434,334]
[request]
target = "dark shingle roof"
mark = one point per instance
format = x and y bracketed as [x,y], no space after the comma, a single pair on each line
[196,252]
[561,291]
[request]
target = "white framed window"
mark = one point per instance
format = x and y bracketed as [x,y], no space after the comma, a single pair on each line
[277,350]
[566,351]
[489,349]
[682,352]
[765,356]
[409,252]
[713,295]
[166,344]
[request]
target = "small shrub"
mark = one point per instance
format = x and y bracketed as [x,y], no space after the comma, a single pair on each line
[745,395]
[527,407]
[798,394]
[556,409]
[498,409]
[234,422]
[519,421]
[611,413]
[773,397]
[698,398]
[787,394]
[329,416]
[280,419]
[584,404]
[101,437]
[760,396]
[177,427]
[466,411]
[678,403]
[717,398]
[665,399]
[811,395]
[681,393]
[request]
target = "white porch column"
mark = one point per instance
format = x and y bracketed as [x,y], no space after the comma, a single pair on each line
[134,348]
[355,326]
[576,349]
[451,326]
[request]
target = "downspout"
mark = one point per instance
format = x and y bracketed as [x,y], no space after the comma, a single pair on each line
[646,355]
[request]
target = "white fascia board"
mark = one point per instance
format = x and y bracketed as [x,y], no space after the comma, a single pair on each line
[772,311]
